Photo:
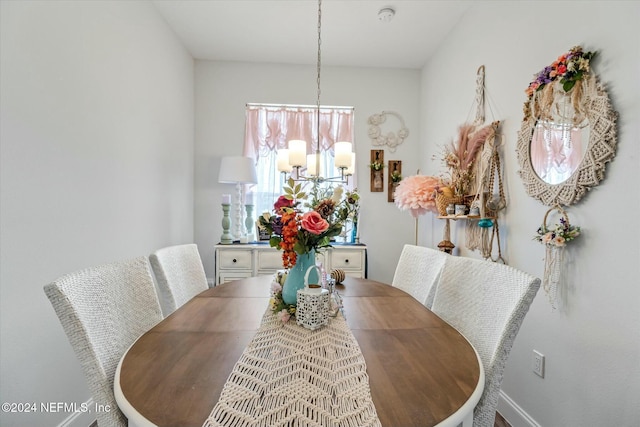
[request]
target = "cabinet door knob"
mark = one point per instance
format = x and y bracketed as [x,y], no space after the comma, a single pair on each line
[235,260]
[346,261]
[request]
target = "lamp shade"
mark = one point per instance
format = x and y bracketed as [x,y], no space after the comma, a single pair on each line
[297,152]
[352,166]
[343,154]
[237,169]
[283,160]
[312,164]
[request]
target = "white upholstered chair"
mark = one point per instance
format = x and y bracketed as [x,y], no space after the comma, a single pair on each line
[179,273]
[418,272]
[486,302]
[103,310]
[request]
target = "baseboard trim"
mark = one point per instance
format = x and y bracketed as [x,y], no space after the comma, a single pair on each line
[80,419]
[513,413]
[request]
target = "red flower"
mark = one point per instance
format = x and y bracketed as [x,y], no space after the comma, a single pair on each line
[562,69]
[282,202]
[314,223]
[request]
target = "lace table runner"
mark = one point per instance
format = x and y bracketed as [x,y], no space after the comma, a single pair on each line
[291,376]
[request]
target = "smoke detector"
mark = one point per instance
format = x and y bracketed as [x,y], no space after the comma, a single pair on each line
[386,14]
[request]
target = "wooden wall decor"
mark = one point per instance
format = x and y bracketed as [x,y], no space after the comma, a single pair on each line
[377,171]
[394,176]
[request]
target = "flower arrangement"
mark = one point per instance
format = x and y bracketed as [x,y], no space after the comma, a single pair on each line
[303,222]
[460,156]
[350,208]
[569,68]
[418,194]
[559,235]
[396,177]
[281,309]
[376,166]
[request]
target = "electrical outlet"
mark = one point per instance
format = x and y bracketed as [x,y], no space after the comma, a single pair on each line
[538,363]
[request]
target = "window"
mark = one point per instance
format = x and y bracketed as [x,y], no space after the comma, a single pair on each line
[269,128]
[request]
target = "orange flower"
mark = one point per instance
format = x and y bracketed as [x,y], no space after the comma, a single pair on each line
[289,238]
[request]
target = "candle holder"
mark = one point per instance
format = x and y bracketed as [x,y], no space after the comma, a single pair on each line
[248,222]
[237,170]
[226,238]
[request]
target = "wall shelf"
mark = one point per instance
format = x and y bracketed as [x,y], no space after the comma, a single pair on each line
[456,217]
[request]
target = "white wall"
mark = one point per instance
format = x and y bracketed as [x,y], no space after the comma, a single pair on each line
[223,89]
[591,344]
[96,166]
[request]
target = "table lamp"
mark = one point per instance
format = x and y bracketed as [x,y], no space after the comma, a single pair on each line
[237,170]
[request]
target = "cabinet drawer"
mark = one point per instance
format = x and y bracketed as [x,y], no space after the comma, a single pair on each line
[347,260]
[270,260]
[235,259]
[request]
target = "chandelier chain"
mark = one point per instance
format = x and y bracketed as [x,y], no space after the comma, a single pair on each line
[318,73]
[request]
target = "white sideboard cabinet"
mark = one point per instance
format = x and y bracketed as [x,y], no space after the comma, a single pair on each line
[238,261]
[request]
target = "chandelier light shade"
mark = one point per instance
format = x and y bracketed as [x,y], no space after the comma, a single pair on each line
[297,153]
[312,164]
[343,153]
[352,165]
[283,161]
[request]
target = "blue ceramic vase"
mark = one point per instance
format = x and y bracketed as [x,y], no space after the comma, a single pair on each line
[295,278]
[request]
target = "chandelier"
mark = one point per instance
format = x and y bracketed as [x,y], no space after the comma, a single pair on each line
[296,158]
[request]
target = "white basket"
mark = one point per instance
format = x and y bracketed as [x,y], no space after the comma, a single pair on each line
[312,310]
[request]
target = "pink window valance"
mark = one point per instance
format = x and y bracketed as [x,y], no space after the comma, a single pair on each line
[269,128]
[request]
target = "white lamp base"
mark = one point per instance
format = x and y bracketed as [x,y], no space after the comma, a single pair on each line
[238,232]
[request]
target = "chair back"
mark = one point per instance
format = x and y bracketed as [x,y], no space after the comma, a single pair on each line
[418,272]
[179,273]
[103,310]
[486,302]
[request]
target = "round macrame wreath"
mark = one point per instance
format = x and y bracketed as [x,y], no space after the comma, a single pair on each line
[392,140]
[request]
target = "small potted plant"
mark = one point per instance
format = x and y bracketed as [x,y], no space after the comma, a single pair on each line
[376,166]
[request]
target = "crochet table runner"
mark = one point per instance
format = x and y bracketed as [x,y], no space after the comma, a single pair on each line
[291,376]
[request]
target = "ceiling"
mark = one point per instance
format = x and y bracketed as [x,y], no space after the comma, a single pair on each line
[285,31]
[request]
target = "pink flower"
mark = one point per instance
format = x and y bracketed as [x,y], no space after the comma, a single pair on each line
[547,238]
[314,223]
[275,287]
[417,194]
[282,202]
[559,241]
[284,315]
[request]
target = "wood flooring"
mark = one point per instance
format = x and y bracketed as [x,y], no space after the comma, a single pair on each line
[500,421]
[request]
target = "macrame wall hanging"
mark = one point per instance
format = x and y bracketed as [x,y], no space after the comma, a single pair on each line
[474,164]
[568,135]
[555,239]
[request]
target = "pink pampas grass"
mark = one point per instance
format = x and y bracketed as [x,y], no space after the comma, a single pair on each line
[418,194]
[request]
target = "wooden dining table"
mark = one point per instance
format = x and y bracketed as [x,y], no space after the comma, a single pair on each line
[422,372]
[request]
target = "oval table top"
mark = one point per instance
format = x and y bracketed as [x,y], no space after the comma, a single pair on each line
[422,372]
